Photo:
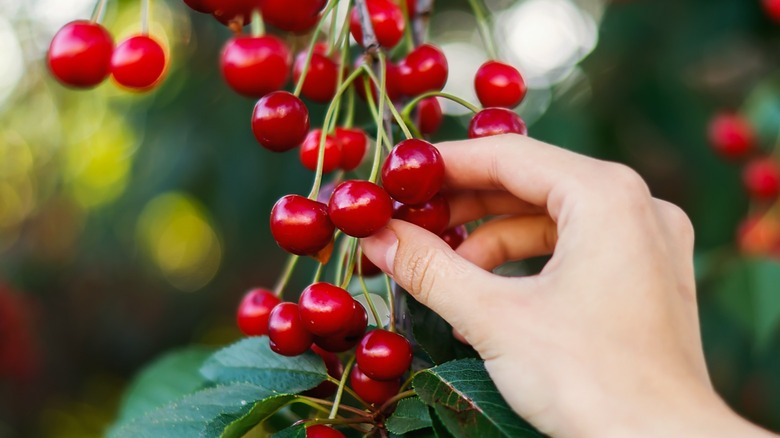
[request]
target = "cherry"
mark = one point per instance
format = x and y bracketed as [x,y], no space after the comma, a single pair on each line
[227,11]
[252,315]
[353,332]
[325,309]
[496,121]
[335,369]
[321,82]
[499,84]
[772,8]
[762,178]
[288,335]
[758,235]
[384,355]
[301,226]
[455,236]
[392,83]
[322,431]
[424,69]
[411,8]
[354,143]
[433,215]
[300,18]
[370,390]
[280,121]
[367,268]
[199,6]
[413,171]
[360,208]
[310,150]
[80,54]
[731,136]
[255,66]
[387,20]
[429,116]
[138,63]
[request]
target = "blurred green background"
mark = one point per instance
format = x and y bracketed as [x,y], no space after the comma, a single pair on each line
[131,224]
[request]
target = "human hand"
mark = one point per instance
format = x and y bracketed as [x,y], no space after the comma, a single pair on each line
[605,340]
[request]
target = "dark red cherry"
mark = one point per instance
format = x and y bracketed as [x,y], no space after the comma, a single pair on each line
[455,236]
[424,69]
[429,116]
[286,331]
[310,150]
[411,8]
[387,19]
[280,121]
[322,431]
[354,143]
[499,84]
[731,136]
[227,11]
[199,6]
[433,215]
[772,8]
[413,171]
[370,390]
[392,83]
[384,355]
[368,268]
[349,337]
[299,17]
[322,78]
[335,369]
[252,315]
[255,66]
[762,178]
[325,309]
[301,226]
[80,54]
[360,208]
[496,121]
[138,63]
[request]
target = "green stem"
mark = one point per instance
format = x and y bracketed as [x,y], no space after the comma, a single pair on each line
[289,267]
[410,379]
[396,116]
[350,392]
[145,17]
[390,302]
[342,258]
[340,392]
[483,23]
[408,36]
[97,13]
[370,302]
[317,273]
[312,404]
[349,118]
[258,26]
[377,118]
[396,398]
[320,402]
[407,110]
[310,53]
[350,263]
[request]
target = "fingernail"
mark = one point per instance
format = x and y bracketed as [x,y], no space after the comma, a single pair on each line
[381,248]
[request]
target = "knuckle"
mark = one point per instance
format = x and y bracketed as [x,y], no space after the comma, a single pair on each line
[626,179]
[418,273]
[678,220]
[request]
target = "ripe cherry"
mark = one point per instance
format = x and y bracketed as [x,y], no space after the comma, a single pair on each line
[335,369]
[411,8]
[299,19]
[759,235]
[424,69]
[325,309]
[252,315]
[310,150]
[80,54]
[280,121]
[772,8]
[322,431]
[360,208]
[496,121]
[353,332]
[413,171]
[387,20]
[455,236]
[433,215]
[227,11]
[138,63]
[731,136]
[370,390]
[762,178]
[384,355]
[288,335]
[199,6]
[301,226]
[429,116]
[354,143]
[255,66]
[367,267]
[322,78]
[499,84]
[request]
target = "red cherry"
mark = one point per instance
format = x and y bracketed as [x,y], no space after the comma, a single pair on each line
[232,10]
[370,390]
[392,83]
[387,19]
[322,431]
[252,315]
[310,150]
[360,208]
[731,136]
[322,77]
[335,369]
[280,121]
[138,63]
[300,225]
[433,215]
[80,54]
[455,236]
[300,18]
[199,6]
[411,8]
[288,335]
[354,143]
[772,8]
[762,179]
[384,355]
[255,66]
[499,84]
[413,171]
[496,121]
[325,309]
[424,69]
[349,337]
[429,116]
[368,268]
[759,235]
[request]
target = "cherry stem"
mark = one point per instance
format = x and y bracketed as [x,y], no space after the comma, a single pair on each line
[289,267]
[343,40]
[342,260]
[342,63]
[340,392]
[258,26]
[410,379]
[393,111]
[396,398]
[375,113]
[411,41]
[311,401]
[370,41]
[407,110]
[350,262]
[349,118]
[97,13]
[483,23]
[367,295]
[317,273]
[310,52]
[390,302]
[145,17]
[350,392]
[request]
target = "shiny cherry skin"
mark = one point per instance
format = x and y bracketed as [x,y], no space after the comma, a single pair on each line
[255,66]
[496,121]
[310,150]
[387,19]
[354,143]
[498,84]
[429,116]
[253,311]
[360,208]
[367,267]
[392,83]
[280,121]
[762,178]
[384,355]
[335,369]
[322,78]
[80,54]
[455,236]
[138,63]
[325,309]
[373,391]
[286,331]
[424,69]
[772,8]
[226,11]
[300,18]
[353,332]
[413,171]
[199,6]
[301,226]
[433,215]
[322,431]
[731,136]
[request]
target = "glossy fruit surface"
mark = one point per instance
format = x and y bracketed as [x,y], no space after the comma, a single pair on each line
[255,66]
[496,121]
[360,208]
[199,6]
[253,311]
[310,150]
[370,390]
[80,54]
[433,215]
[354,143]
[422,70]
[387,19]
[138,63]
[325,309]
[384,355]
[454,236]
[280,121]
[499,85]
[298,17]
[301,226]
[731,136]
[322,77]
[429,116]
[286,331]
[762,179]
[353,332]
[232,10]
[322,431]
[772,8]
[413,171]
[335,369]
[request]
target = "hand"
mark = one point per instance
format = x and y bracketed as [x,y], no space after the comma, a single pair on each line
[605,340]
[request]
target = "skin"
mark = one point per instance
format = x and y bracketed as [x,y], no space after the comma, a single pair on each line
[605,340]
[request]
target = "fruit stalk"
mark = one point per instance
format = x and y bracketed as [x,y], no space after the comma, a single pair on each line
[342,383]
[305,71]
[483,23]
[97,13]
[289,267]
[145,17]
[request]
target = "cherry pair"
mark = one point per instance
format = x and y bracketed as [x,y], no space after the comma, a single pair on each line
[344,149]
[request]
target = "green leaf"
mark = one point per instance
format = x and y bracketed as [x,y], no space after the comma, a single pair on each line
[298,431]
[434,335]
[410,414]
[251,360]
[468,403]
[439,429]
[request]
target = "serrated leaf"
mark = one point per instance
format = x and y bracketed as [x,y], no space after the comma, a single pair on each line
[468,402]
[434,335]
[439,429]
[298,431]
[410,414]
